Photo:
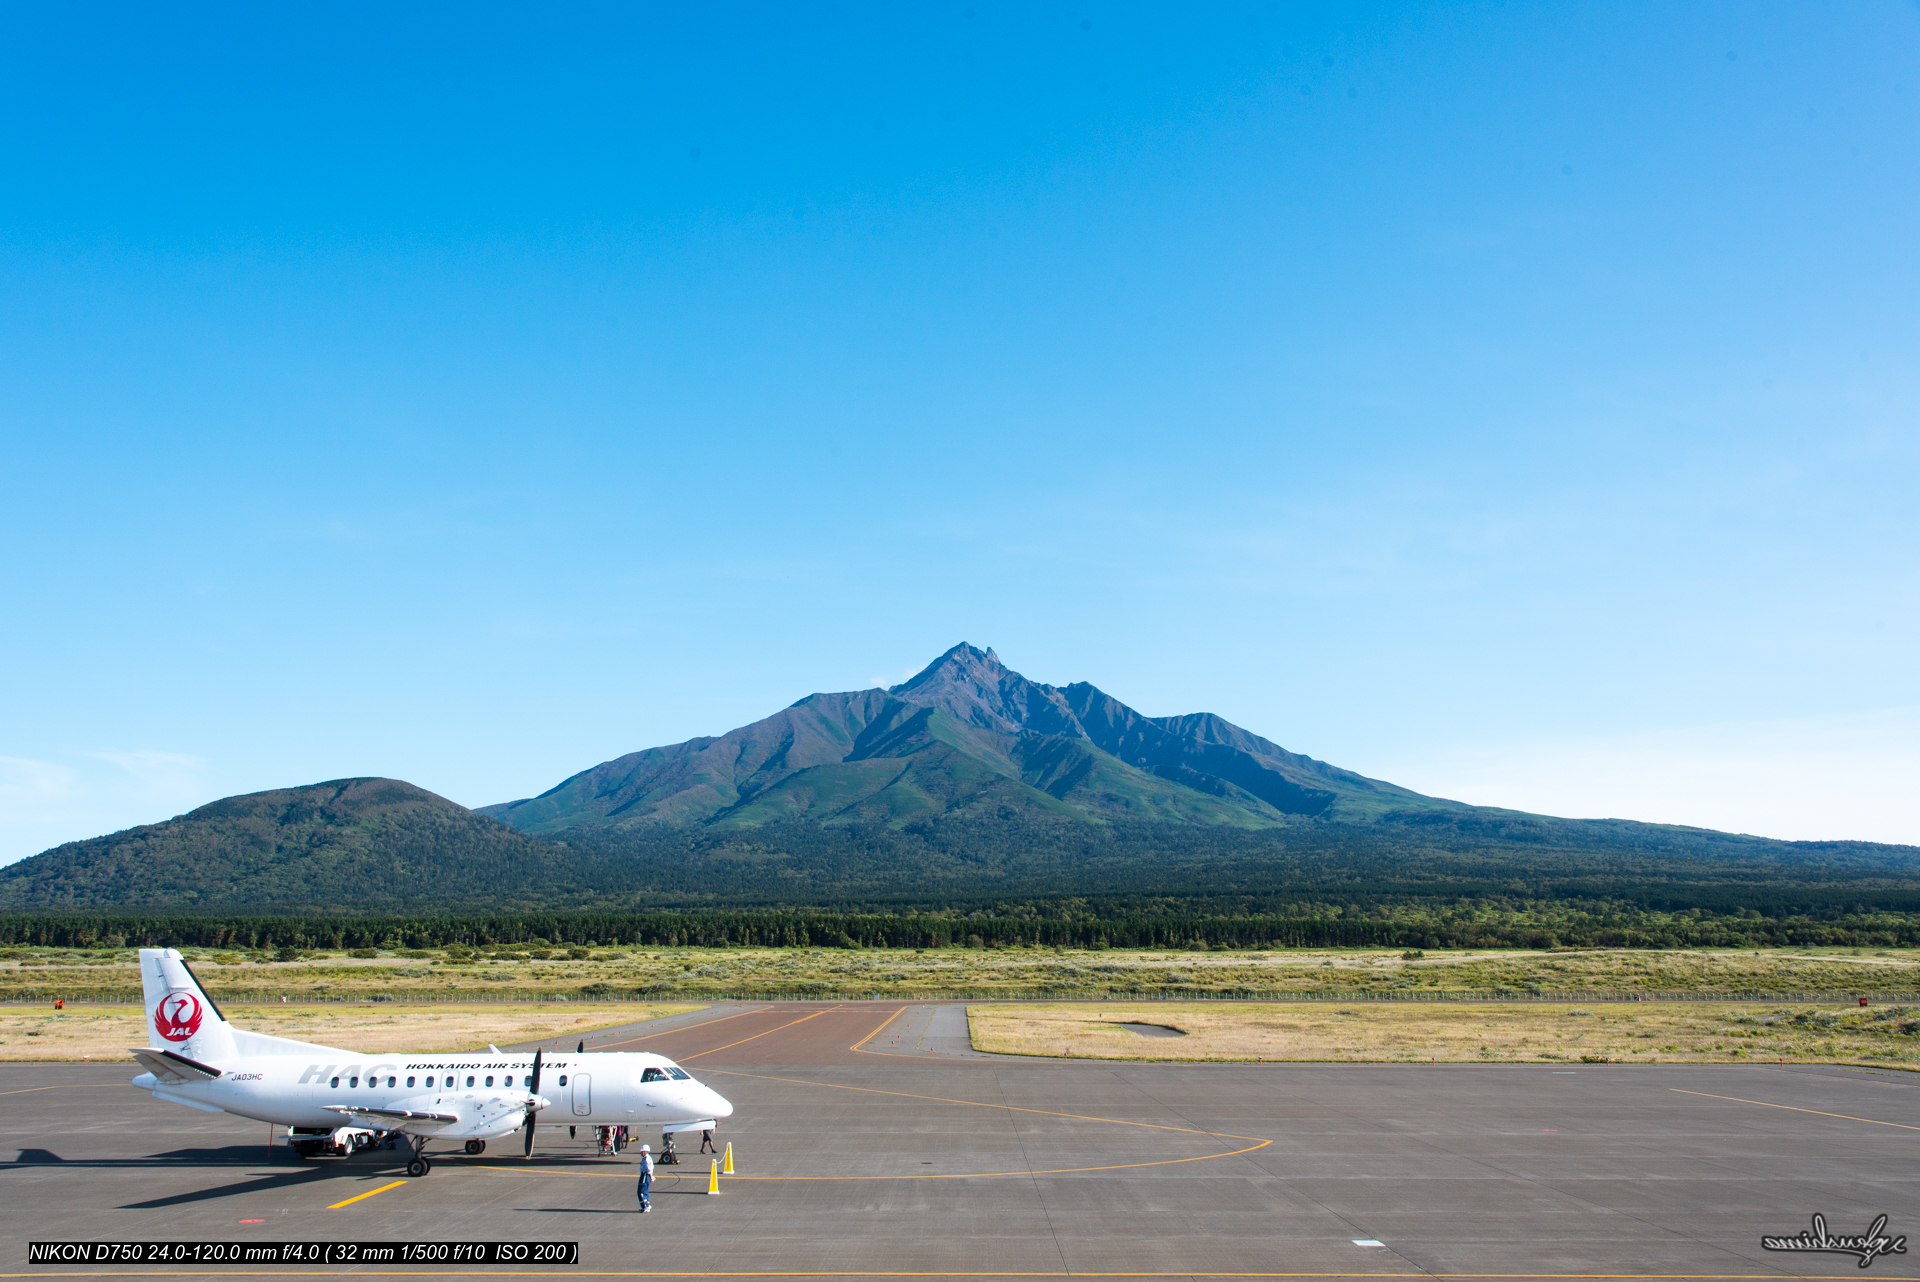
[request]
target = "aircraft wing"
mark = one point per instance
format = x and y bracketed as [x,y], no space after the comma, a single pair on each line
[170,1066]
[392,1114]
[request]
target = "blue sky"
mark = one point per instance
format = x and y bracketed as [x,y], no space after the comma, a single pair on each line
[1515,401]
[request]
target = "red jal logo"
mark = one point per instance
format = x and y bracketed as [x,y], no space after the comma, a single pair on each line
[178,1017]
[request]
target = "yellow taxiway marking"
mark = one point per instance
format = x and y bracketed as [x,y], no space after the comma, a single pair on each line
[369,1193]
[876,1032]
[744,1040]
[1011,1108]
[65,1086]
[687,1028]
[1874,1121]
[962,1175]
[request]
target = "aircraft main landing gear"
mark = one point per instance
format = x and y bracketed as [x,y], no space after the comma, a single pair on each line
[476,1147]
[418,1167]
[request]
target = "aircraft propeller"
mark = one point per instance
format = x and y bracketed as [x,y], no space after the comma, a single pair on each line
[533,1093]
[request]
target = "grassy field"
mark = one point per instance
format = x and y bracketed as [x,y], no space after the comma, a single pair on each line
[666,974]
[1455,1032]
[105,1032]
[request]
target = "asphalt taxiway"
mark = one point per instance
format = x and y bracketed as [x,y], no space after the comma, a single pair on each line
[870,1140]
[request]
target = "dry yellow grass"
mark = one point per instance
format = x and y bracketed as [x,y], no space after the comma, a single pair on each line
[1638,1032]
[105,1032]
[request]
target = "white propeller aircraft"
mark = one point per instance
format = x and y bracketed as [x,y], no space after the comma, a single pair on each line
[319,1092]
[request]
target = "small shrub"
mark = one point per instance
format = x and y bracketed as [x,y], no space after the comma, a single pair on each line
[1412,954]
[362,953]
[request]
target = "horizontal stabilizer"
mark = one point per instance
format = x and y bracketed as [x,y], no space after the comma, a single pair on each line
[396,1114]
[171,1066]
[171,1098]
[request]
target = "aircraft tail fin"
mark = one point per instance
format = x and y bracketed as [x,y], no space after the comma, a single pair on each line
[180,1016]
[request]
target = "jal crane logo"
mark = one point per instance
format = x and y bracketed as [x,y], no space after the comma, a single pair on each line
[178,1016]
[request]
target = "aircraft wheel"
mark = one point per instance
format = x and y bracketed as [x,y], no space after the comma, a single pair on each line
[475,1147]
[418,1167]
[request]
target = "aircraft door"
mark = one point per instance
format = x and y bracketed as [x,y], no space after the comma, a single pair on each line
[582,1098]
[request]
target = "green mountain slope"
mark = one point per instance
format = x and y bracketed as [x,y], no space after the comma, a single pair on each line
[967,736]
[372,844]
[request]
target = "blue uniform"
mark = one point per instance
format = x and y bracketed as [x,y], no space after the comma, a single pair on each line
[646,1180]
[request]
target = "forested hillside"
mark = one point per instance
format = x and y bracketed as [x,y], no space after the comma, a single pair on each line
[382,846]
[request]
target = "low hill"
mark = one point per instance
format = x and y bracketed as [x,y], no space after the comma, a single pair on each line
[368,844]
[968,736]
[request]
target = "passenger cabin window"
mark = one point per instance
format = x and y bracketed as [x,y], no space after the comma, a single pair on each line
[679,1075]
[409,1083]
[353,1081]
[469,1079]
[429,1081]
[563,1079]
[334,1084]
[489,1079]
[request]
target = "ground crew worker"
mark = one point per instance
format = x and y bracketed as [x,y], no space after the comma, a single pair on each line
[646,1179]
[706,1142]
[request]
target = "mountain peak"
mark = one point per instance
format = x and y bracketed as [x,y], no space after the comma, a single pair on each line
[981,691]
[962,663]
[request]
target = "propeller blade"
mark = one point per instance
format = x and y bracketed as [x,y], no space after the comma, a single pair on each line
[532,1113]
[582,1050]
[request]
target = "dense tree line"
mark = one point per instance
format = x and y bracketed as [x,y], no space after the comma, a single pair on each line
[1474,926]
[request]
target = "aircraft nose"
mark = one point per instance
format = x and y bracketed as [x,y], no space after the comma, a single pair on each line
[717,1105]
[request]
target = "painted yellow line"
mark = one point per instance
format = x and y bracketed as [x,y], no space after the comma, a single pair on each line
[1011,1108]
[876,1032]
[69,1086]
[965,1175]
[744,1040]
[687,1028]
[1874,1121]
[369,1193]
[1259,1143]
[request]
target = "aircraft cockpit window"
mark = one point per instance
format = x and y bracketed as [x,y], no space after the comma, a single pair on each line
[680,1075]
[654,1075]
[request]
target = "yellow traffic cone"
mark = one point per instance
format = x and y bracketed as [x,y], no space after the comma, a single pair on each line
[726,1163]
[713,1179]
